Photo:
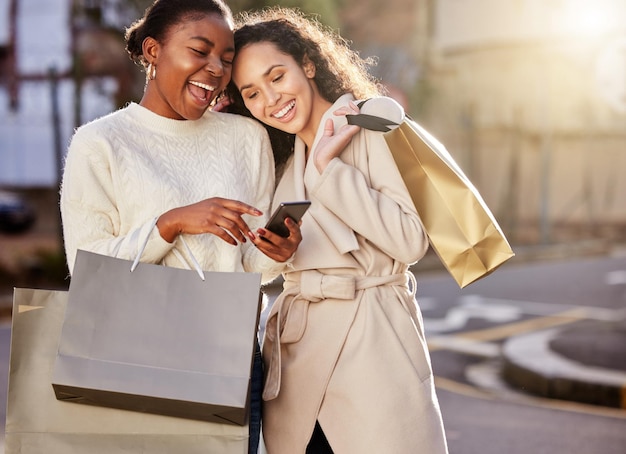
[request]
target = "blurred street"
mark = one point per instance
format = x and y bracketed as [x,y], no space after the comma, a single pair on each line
[490,406]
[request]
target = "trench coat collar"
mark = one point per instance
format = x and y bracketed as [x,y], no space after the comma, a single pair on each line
[306,176]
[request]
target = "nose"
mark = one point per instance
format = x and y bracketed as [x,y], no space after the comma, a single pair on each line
[272,97]
[215,67]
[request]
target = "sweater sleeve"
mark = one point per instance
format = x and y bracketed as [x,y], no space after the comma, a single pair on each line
[89,211]
[253,259]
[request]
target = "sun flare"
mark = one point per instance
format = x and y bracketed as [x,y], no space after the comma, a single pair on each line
[590,19]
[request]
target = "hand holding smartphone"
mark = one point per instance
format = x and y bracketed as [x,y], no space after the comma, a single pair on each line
[293,210]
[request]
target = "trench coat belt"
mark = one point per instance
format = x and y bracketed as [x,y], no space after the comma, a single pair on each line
[287,320]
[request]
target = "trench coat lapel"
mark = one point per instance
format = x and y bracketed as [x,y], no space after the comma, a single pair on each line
[307,178]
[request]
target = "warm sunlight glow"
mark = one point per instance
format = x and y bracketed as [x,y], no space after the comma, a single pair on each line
[611,74]
[582,17]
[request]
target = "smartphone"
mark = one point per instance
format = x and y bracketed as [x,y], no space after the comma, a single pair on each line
[293,210]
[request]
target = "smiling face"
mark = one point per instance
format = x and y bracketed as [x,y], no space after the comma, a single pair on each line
[193,64]
[279,91]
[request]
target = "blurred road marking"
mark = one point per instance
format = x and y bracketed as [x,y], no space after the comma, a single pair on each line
[478,342]
[462,345]
[535,324]
[535,308]
[562,405]
[503,310]
[462,388]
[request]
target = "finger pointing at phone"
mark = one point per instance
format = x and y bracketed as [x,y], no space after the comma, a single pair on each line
[221,217]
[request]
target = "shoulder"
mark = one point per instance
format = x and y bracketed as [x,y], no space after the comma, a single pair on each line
[94,127]
[242,136]
[384,107]
[97,139]
[234,122]
[242,133]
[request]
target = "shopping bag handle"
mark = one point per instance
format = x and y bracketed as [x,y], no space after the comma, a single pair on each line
[196,265]
[371,122]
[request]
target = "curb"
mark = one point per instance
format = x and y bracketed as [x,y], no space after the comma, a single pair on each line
[531,366]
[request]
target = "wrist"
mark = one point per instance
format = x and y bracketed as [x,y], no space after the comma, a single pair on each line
[321,164]
[168,226]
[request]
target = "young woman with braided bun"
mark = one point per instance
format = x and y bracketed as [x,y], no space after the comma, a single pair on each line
[168,167]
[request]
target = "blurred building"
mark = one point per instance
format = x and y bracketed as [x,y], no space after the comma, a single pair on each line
[61,64]
[528,95]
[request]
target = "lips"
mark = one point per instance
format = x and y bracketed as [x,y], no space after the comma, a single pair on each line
[285,110]
[201,90]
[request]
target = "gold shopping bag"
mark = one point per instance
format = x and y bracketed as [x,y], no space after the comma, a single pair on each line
[460,226]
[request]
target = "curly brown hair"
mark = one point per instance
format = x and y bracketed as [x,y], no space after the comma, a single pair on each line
[338,68]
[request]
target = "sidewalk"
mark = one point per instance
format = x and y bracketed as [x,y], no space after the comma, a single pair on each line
[584,362]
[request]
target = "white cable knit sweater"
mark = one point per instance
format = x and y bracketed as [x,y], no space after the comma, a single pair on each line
[125,169]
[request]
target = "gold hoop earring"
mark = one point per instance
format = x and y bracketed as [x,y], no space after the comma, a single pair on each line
[151,72]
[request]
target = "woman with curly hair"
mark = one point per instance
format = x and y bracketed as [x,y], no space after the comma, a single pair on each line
[347,366]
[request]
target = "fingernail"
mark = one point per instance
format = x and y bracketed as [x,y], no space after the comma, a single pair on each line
[251,236]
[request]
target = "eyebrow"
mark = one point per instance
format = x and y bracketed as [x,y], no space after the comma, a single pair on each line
[210,43]
[265,74]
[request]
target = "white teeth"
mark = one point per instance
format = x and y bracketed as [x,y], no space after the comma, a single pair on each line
[281,113]
[201,85]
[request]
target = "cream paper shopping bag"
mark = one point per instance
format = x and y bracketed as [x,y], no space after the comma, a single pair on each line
[38,423]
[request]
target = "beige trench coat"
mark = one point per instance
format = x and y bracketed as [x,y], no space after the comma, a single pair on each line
[344,342]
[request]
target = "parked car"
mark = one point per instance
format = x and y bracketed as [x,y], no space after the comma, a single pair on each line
[16,215]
